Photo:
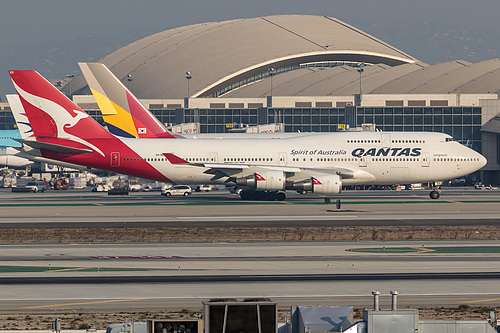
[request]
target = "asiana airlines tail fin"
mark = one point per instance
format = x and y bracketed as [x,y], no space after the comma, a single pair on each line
[124,115]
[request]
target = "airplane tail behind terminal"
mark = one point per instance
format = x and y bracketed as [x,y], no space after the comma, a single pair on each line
[124,115]
[20,116]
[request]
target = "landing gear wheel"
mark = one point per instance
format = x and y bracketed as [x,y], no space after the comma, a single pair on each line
[270,196]
[435,194]
[260,195]
[246,195]
[280,196]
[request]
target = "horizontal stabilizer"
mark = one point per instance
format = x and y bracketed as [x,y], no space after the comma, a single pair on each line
[55,148]
[174,159]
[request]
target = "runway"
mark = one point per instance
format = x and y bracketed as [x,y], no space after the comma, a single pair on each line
[91,277]
[84,209]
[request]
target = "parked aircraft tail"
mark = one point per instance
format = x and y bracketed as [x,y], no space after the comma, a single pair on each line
[124,115]
[20,116]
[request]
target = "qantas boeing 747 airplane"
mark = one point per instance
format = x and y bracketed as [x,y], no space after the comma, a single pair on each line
[319,163]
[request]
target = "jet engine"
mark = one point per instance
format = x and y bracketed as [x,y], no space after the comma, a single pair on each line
[268,180]
[323,184]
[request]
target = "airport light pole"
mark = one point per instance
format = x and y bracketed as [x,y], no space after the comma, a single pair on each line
[360,70]
[188,77]
[186,100]
[129,79]
[70,77]
[272,72]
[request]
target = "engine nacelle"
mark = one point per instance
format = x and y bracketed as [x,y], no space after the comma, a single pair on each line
[268,180]
[323,184]
[327,184]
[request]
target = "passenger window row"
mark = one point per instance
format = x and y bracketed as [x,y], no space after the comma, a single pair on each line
[326,159]
[248,159]
[395,159]
[455,159]
[408,141]
[199,159]
[148,159]
[363,141]
[378,141]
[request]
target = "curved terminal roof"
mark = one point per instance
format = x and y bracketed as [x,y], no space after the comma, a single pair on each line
[312,56]
[233,53]
[415,78]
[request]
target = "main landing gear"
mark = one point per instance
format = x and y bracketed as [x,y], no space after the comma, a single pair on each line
[262,195]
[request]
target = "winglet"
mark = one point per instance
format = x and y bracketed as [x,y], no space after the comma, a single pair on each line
[174,159]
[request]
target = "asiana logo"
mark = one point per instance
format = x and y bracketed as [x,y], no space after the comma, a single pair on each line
[359,152]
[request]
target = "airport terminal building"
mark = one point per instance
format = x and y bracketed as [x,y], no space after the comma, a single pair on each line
[310,73]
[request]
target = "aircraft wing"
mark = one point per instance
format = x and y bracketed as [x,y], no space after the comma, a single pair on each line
[220,170]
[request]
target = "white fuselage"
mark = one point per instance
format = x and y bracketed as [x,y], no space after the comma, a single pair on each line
[359,157]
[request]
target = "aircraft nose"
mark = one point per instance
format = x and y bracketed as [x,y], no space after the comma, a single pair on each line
[482,161]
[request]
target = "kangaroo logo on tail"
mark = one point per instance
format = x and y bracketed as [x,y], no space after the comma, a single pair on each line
[62,118]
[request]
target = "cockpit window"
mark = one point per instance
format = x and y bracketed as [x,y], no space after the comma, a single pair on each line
[450,139]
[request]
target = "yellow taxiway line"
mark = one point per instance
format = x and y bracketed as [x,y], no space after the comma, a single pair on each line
[483,300]
[83,303]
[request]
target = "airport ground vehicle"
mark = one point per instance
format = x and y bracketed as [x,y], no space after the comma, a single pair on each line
[60,183]
[8,180]
[205,188]
[135,187]
[184,190]
[37,186]
[100,187]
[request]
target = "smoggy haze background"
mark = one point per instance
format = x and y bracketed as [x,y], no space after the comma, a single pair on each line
[51,36]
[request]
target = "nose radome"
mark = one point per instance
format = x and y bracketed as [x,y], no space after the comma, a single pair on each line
[482,160]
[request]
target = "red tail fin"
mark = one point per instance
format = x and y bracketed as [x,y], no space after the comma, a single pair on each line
[51,114]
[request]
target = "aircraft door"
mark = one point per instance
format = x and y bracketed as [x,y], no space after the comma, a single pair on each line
[115,159]
[362,161]
[282,158]
[459,163]
[386,140]
[426,161]
[213,157]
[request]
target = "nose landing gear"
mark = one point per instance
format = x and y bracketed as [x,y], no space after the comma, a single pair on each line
[435,193]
